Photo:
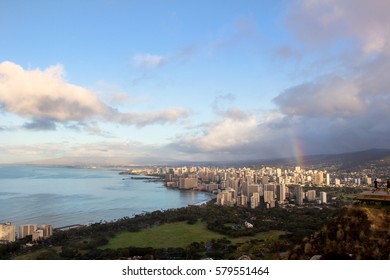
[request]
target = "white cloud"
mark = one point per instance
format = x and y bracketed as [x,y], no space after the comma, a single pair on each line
[120,98]
[45,94]
[238,139]
[220,136]
[47,98]
[220,107]
[157,117]
[148,61]
[348,109]
[358,85]
[328,96]
[320,23]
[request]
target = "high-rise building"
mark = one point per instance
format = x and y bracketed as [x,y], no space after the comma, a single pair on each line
[270,187]
[7,232]
[226,197]
[286,179]
[311,195]
[298,195]
[242,200]
[168,177]
[323,197]
[269,196]
[212,187]
[255,200]
[232,183]
[26,230]
[281,193]
[318,178]
[256,179]
[358,181]
[188,183]
[251,189]
[38,234]
[47,230]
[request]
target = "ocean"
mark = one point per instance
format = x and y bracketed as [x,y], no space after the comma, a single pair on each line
[64,196]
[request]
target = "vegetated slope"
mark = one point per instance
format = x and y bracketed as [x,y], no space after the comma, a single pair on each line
[344,161]
[360,159]
[356,233]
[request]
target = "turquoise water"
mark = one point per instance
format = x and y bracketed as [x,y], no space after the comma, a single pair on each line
[65,196]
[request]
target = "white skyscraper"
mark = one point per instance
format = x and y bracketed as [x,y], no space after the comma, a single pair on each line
[323,197]
[7,233]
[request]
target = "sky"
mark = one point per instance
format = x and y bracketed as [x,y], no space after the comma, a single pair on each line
[160,81]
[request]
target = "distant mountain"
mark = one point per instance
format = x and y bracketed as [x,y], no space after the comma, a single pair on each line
[344,161]
[352,160]
[341,161]
[362,158]
[98,162]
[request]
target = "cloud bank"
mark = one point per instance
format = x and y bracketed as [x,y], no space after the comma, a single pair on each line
[346,107]
[44,97]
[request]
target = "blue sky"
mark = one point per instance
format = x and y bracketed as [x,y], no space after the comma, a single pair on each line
[192,80]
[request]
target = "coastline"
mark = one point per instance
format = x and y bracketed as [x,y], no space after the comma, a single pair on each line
[63,196]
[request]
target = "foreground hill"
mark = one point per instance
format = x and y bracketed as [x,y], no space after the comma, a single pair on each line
[211,231]
[193,232]
[356,233]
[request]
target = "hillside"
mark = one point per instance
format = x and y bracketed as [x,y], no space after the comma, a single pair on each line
[343,161]
[339,162]
[356,233]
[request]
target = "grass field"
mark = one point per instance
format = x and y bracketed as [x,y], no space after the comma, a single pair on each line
[178,234]
[34,255]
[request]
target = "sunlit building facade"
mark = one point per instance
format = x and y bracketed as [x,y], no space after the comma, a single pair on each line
[7,232]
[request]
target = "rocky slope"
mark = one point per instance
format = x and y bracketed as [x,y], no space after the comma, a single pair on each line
[356,233]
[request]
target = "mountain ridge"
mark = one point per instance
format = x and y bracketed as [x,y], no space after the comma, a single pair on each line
[363,158]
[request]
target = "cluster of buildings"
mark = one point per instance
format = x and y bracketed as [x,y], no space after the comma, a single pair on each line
[265,194]
[268,196]
[189,177]
[8,232]
[264,187]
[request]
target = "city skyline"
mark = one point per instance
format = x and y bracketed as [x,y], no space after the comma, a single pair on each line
[199,81]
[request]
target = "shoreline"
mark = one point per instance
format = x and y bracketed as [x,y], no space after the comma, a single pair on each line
[33,185]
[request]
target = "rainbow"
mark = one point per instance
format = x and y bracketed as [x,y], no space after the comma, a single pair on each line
[296,148]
